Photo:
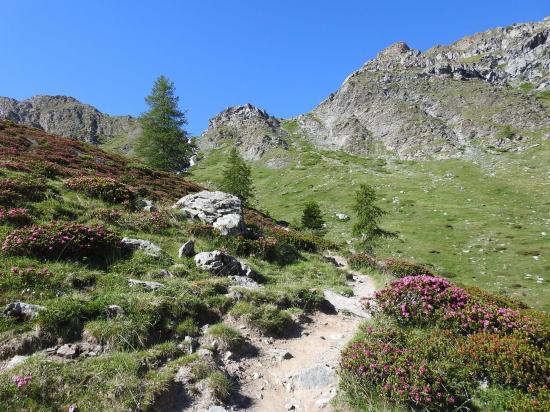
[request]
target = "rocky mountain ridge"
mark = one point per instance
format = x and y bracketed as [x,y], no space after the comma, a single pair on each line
[66,116]
[252,129]
[488,89]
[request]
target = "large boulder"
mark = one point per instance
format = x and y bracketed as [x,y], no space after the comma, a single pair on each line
[222,210]
[222,264]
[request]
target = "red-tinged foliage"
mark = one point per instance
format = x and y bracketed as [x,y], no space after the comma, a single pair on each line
[104,188]
[15,191]
[67,240]
[402,268]
[25,149]
[16,217]
[506,360]
[362,260]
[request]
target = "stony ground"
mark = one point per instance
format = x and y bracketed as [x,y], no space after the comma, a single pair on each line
[295,373]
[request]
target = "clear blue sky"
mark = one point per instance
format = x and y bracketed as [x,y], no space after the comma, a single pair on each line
[285,56]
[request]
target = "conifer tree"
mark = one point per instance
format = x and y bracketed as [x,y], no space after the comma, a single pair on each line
[368,218]
[236,177]
[163,142]
[312,217]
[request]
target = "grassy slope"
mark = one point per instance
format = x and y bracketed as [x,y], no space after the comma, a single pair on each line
[481,225]
[143,355]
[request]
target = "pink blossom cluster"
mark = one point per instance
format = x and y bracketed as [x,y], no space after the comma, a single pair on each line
[21,381]
[31,272]
[62,239]
[417,298]
[19,216]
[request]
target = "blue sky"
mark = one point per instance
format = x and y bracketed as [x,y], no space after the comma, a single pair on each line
[285,56]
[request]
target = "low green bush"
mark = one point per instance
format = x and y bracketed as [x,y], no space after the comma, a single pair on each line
[228,338]
[267,318]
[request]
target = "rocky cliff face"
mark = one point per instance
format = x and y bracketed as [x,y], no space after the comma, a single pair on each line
[251,129]
[485,89]
[66,116]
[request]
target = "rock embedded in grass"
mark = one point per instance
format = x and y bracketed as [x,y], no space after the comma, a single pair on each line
[187,249]
[222,264]
[146,285]
[147,246]
[222,210]
[22,310]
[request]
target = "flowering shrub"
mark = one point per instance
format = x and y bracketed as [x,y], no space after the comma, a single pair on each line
[418,299]
[402,268]
[63,240]
[104,188]
[31,272]
[362,260]
[506,360]
[202,230]
[14,191]
[266,248]
[407,369]
[108,215]
[21,381]
[16,217]
[152,222]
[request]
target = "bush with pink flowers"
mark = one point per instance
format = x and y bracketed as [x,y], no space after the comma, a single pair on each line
[16,217]
[63,240]
[406,368]
[362,260]
[15,191]
[417,299]
[104,188]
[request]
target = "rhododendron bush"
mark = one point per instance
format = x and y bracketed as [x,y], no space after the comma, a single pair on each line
[63,240]
[14,191]
[104,188]
[431,344]
[16,217]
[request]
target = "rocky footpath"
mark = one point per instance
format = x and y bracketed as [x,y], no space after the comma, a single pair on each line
[66,116]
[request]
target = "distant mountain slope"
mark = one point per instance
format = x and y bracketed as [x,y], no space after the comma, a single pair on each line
[67,117]
[488,89]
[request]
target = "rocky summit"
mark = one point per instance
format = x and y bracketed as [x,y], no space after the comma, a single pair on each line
[66,116]
[253,130]
[488,89]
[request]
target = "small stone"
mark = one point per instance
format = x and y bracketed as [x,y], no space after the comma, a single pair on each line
[256,375]
[290,407]
[146,285]
[229,356]
[67,351]
[187,249]
[22,310]
[114,311]
[13,362]
[281,354]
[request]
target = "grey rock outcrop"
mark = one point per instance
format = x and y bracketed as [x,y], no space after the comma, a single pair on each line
[222,264]
[22,310]
[222,210]
[146,246]
[449,101]
[251,129]
[66,116]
